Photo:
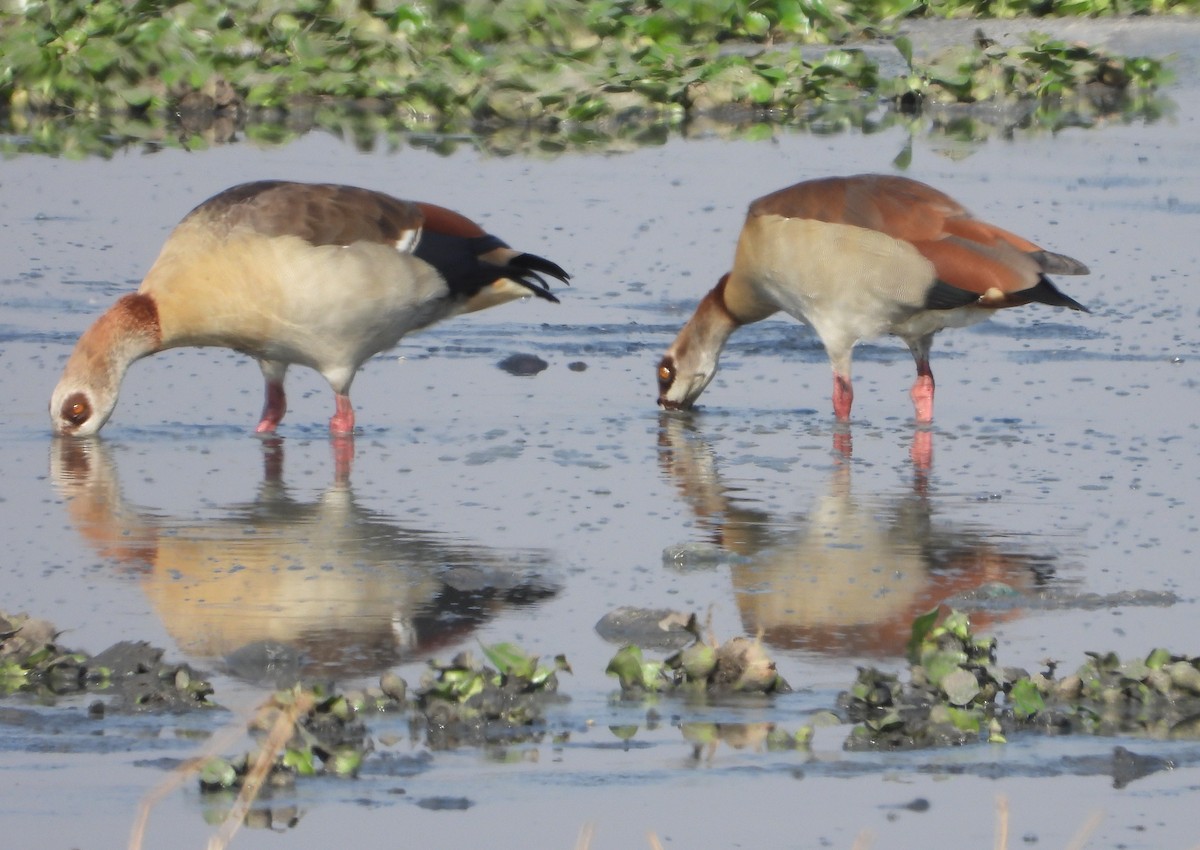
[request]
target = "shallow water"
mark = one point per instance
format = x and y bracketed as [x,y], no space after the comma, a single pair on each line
[479,505]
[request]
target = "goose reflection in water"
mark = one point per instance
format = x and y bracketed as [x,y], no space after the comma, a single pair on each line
[849,577]
[278,588]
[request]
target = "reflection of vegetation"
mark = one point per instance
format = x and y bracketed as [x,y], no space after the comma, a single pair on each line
[1095,8]
[758,737]
[456,67]
[1041,70]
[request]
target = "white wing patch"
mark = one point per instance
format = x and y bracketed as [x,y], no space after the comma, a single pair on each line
[408,241]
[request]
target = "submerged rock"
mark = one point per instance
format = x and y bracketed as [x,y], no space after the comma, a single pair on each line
[523,365]
[649,628]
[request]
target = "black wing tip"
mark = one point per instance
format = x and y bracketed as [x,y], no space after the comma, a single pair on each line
[534,263]
[535,283]
[1047,293]
[527,270]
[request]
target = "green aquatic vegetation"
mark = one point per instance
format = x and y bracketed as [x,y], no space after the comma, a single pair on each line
[515,670]
[454,68]
[1048,8]
[303,731]
[957,693]
[1041,69]
[635,673]
[704,666]
[131,674]
[467,701]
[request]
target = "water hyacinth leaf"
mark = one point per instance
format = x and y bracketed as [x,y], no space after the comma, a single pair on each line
[983,648]
[1135,670]
[541,676]
[1106,661]
[12,675]
[1158,658]
[958,623]
[511,660]
[698,661]
[889,720]
[756,24]
[940,664]
[97,57]
[921,628]
[40,656]
[652,675]
[966,720]
[1025,698]
[819,10]
[628,666]
[761,91]
[337,706]
[1184,676]
[217,773]
[346,761]
[301,760]
[776,76]
[960,687]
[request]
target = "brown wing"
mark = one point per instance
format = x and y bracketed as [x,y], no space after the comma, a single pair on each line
[319,213]
[968,254]
[449,222]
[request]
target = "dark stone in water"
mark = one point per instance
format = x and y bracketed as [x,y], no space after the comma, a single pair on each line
[265,662]
[445,804]
[523,365]
[649,628]
[127,658]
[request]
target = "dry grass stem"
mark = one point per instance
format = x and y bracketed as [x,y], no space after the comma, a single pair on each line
[586,832]
[1001,822]
[222,740]
[864,840]
[1085,832]
[281,732]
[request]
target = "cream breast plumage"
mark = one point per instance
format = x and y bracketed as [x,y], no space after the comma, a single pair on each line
[856,258]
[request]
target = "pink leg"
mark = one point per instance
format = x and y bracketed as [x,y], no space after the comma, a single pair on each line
[273,408]
[922,392]
[342,421]
[843,397]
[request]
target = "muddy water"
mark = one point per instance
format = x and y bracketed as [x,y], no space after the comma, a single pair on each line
[475,505]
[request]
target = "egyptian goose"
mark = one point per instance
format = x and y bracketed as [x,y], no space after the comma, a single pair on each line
[857,258]
[319,275]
